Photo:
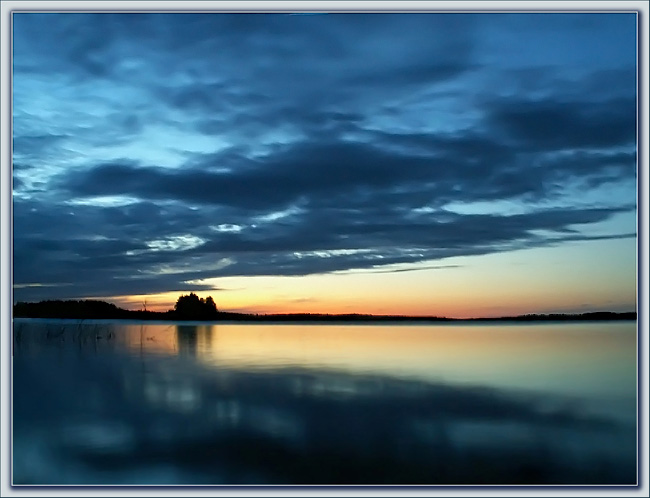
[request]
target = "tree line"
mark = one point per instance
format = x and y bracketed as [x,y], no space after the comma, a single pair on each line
[192,307]
[187,307]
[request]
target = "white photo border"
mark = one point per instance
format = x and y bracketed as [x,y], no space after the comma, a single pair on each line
[6,227]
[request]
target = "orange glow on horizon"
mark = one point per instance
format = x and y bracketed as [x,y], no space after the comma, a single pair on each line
[166,301]
[549,280]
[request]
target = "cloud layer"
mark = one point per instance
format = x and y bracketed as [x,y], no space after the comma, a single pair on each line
[152,150]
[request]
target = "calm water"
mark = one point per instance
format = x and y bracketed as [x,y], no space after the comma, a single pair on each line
[130,403]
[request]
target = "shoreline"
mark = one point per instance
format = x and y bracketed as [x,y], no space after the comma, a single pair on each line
[346,319]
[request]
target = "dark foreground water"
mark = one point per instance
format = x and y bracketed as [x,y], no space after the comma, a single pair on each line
[109,403]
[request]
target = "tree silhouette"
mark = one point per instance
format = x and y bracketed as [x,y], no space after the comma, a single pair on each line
[191,306]
[210,304]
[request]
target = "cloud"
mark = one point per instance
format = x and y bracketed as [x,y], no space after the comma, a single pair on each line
[266,183]
[115,246]
[431,168]
[546,124]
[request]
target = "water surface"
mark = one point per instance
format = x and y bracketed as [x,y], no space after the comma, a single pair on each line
[197,403]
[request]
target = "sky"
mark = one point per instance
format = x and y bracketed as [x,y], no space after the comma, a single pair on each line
[424,164]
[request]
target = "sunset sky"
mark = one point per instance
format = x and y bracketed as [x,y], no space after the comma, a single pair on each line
[424,164]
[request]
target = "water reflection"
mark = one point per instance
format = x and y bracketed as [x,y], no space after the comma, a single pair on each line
[157,404]
[186,335]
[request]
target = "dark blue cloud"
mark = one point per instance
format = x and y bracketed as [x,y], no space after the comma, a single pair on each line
[546,125]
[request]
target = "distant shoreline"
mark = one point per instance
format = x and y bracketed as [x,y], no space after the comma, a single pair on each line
[99,310]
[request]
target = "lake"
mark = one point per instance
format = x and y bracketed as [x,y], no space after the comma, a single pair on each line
[101,403]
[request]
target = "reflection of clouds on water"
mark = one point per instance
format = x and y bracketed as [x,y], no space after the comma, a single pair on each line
[173,394]
[116,418]
[102,436]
